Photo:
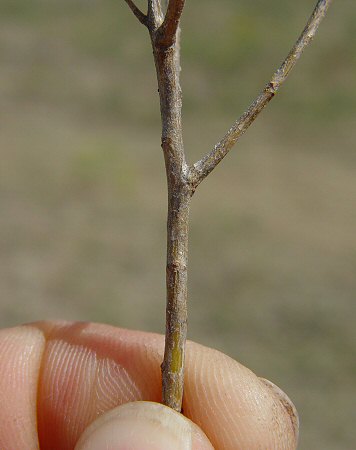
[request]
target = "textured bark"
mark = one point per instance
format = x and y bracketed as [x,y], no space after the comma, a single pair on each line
[179,194]
[183,180]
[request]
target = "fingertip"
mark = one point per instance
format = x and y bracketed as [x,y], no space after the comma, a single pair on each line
[21,350]
[291,413]
[139,425]
[233,406]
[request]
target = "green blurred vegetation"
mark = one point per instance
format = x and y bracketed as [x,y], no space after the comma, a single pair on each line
[273,246]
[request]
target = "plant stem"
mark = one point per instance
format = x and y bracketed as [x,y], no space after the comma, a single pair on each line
[183,180]
[202,168]
[176,310]
[138,13]
[179,194]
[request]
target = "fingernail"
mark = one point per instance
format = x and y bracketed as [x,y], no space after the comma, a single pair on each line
[137,426]
[287,404]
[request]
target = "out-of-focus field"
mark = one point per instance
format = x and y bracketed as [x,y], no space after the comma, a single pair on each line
[273,230]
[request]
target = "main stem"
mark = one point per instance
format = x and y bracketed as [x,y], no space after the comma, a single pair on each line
[179,195]
[176,309]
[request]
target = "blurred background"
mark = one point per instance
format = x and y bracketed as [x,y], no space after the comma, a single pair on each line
[273,243]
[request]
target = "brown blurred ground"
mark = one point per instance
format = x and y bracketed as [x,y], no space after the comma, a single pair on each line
[273,242]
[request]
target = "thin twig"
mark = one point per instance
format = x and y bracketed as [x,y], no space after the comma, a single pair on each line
[203,167]
[168,30]
[179,194]
[138,13]
[155,15]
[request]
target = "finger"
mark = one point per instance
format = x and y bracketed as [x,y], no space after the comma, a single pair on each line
[143,425]
[21,351]
[235,408]
[286,402]
[90,368]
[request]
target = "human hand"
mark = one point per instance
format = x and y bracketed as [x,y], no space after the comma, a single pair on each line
[61,384]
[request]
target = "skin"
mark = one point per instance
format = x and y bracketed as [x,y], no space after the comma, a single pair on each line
[56,378]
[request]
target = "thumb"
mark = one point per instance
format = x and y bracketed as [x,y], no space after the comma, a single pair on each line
[143,426]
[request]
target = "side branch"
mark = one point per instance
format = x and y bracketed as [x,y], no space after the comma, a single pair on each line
[202,168]
[169,27]
[138,13]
